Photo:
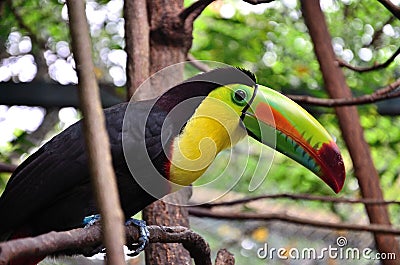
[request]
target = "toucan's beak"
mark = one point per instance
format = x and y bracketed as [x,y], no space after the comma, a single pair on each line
[277,121]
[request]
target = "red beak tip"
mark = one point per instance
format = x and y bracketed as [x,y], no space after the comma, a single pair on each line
[338,187]
[333,168]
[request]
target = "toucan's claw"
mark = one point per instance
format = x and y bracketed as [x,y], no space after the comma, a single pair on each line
[136,248]
[90,220]
[143,236]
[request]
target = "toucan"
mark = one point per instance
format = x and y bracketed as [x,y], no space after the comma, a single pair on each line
[160,145]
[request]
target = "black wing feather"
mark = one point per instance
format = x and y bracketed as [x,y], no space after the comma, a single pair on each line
[51,189]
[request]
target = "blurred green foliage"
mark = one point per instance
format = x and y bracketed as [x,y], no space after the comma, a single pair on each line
[276,46]
[40,18]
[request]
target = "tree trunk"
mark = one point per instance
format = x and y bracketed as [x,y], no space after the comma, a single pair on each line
[169,42]
[167,49]
[163,213]
[349,122]
[137,38]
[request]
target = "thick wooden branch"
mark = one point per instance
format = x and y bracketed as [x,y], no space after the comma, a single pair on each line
[81,240]
[384,93]
[376,66]
[198,248]
[395,10]
[305,197]
[8,168]
[49,243]
[96,137]
[190,13]
[202,212]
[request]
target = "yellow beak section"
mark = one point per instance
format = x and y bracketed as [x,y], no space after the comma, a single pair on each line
[296,134]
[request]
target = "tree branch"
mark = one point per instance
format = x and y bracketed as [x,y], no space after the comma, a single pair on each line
[96,137]
[201,212]
[198,248]
[9,168]
[21,23]
[194,10]
[387,92]
[197,64]
[379,95]
[36,39]
[376,66]
[83,240]
[190,13]
[395,10]
[379,32]
[256,2]
[306,197]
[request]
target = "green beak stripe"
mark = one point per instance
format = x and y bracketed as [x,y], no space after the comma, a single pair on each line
[298,135]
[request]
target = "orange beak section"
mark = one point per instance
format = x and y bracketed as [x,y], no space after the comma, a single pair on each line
[297,135]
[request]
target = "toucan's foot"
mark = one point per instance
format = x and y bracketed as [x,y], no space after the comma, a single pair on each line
[135,248]
[143,236]
[90,220]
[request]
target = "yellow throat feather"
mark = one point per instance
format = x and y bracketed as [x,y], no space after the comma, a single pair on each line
[214,126]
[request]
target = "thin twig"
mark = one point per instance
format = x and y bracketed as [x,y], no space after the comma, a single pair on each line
[256,2]
[387,92]
[306,197]
[38,42]
[381,94]
[21,23]
[82,240]
[376,66]
[197,64]
[395,10]
[202,212]
[379,32]
[96,137]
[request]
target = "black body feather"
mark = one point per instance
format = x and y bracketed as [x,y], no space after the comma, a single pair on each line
[51,189]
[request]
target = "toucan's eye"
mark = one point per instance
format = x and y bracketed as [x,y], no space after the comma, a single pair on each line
[240,96]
